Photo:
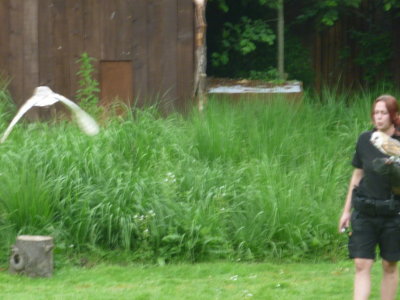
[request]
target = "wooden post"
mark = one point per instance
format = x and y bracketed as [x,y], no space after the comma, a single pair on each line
[32,256]
[200,77]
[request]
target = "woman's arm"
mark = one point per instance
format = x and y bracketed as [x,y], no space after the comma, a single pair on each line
[354,181]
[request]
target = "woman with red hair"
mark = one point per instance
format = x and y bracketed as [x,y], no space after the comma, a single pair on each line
[371,207]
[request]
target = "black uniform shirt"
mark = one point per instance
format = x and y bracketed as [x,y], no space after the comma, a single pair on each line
[372,185]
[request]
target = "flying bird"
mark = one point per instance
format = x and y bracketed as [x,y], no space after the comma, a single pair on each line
[44,96]
[386,145]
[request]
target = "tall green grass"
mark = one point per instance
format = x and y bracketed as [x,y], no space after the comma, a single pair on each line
[245,181]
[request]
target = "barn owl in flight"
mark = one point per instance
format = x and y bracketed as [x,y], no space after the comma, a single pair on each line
[44,96]
[386,145]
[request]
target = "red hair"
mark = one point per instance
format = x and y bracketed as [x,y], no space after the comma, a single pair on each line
[391,105]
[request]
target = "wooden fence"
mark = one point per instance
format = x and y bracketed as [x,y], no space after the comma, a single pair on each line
[335,51]
[330,66]
[144,49]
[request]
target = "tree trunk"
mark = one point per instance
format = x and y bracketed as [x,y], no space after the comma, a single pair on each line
[281,41]
[32,256]
[200,77]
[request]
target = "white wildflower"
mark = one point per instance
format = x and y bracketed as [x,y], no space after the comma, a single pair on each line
[235,277]
[170,177]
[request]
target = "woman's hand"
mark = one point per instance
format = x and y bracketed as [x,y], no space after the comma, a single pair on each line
[344,221]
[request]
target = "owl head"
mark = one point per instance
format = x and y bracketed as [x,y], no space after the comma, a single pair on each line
[42,91]
[378,138]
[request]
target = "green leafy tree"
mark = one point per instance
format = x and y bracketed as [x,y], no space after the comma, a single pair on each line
[249,35]
[243,41]
[327,12]
[391,4]
[242,38]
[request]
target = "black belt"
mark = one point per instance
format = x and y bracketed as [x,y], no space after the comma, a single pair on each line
[372,207]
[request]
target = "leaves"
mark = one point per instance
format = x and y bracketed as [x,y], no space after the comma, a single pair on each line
[391,4]
[89,87]
[242,37]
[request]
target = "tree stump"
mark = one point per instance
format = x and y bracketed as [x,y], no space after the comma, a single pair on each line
[32,255]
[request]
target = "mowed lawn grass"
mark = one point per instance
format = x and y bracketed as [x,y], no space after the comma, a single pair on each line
[218,280]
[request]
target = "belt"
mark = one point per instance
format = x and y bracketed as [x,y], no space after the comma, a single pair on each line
[372,207]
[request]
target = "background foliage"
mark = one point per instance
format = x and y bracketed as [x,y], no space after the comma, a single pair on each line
[242,37]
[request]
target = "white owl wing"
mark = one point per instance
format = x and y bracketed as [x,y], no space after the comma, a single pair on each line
[391,147]
[84,120]
[31,102]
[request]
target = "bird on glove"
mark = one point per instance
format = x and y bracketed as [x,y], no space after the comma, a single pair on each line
[44,96]
[387,166]
[386,145]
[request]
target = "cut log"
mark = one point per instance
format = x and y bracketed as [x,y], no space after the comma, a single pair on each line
[32,255]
